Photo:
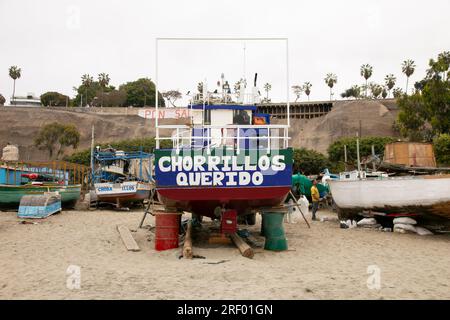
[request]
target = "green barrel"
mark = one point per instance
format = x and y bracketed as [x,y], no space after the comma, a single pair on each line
[274,231]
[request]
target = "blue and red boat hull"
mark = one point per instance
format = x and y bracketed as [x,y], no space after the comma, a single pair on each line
[252,179]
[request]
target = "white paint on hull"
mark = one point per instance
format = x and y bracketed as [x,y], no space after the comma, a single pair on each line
[391,192]
[120,189]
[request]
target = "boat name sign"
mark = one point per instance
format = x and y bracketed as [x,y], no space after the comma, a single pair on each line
[112,188]
[221,170]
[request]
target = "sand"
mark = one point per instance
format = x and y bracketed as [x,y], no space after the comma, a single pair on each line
[324,262]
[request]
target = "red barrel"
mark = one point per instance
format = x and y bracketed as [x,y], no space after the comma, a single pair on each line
[167,229]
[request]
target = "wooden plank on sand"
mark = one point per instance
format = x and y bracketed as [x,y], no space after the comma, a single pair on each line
[127,238]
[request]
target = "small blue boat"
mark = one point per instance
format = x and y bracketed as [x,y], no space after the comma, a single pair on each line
[39,206]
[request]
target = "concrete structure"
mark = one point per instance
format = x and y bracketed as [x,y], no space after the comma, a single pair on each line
[298,110]
[26,101]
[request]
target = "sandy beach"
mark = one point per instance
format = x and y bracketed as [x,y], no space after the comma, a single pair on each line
[324,262]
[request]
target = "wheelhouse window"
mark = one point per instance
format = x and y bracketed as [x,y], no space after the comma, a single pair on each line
[241,117]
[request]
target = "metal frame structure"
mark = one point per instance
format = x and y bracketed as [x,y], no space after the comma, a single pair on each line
[157,40]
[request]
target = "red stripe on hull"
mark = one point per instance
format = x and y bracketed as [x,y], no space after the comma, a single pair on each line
[204,200]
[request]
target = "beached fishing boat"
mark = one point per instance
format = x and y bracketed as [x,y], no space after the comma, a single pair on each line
[227,157]
[10,195]
[424,195]
[122,177]
[120,193]
[35,178]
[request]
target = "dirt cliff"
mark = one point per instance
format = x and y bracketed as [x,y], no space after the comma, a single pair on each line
[377,119]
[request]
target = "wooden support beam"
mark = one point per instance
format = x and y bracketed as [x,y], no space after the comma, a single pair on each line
[243,247]
[187,247]
[127,238]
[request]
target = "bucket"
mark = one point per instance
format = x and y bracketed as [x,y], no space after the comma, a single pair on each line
[274,231]
[167,229]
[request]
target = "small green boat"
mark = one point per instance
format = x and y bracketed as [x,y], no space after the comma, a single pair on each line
[10,195]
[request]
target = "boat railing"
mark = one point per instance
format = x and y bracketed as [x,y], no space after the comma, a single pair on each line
[226,98]
[267,137]
[63,172]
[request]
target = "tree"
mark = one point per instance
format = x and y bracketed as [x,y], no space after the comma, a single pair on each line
[15,73]
[87,81]
[140,92]
[331,80]
[307,88]
[353,92]
[440,66]
[297,91]
[441,146]
[376,90]
[172,96]
[56,136]
[336,149]
[113,98]
[390,80]
[408,68]
[397,93]
[384,93]
[411,122]
[103,80]
[309,161]
[89,92]
[267,88]
[366,72]
[2,100]
[54,99]
[426,113]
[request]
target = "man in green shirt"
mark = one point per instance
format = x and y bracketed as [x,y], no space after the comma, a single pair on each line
[315,195]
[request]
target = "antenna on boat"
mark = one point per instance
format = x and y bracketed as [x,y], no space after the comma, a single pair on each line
[357,155]
[245,82]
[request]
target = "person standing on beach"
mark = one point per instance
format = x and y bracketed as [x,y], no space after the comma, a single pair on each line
[315,199]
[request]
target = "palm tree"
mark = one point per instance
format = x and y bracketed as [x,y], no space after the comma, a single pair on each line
[14,73]
[267,88]
[366,72]
[297,91]
[408,68]
[331,80]
[307,88]
[86,81]
[390,80]
[103,80]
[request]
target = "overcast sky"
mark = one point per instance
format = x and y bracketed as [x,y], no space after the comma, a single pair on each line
[55,42]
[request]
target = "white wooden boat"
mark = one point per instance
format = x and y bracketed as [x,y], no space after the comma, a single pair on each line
[125,192]
[413,194]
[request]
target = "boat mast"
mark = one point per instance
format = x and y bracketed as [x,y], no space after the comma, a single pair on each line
[92,155]
[357,155]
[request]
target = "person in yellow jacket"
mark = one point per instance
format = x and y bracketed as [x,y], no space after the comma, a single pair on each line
[315,195]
